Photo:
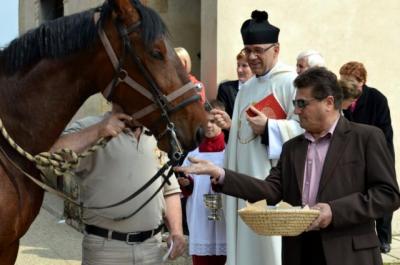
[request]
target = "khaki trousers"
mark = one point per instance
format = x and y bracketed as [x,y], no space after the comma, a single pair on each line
[101,251]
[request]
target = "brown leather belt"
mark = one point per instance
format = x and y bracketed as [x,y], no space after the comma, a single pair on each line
[129,238]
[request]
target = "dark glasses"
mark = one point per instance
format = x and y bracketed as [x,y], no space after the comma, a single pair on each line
[302,103]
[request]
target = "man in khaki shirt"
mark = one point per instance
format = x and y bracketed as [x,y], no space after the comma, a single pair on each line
[113,173]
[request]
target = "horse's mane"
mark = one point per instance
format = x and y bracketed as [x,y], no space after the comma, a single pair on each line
[67,35]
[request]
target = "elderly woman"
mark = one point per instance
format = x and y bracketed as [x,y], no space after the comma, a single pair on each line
[308,59]
[187,64]
[372,108]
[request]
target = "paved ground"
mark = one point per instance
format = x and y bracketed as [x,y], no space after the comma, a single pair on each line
[50,243]
[393,257]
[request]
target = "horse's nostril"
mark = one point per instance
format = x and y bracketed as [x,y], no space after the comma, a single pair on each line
[199,135]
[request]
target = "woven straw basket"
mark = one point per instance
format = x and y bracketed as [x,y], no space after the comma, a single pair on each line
[282,220]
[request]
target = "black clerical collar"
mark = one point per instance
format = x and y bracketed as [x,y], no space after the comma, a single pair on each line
[264,74]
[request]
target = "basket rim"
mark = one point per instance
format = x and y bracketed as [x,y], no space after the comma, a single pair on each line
[271,221]
[283,210]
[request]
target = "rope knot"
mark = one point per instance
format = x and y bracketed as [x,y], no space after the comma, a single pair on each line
[60,162]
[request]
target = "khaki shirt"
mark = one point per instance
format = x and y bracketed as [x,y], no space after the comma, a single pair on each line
[115,172]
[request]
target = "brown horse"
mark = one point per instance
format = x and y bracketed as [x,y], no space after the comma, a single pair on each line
[48,73]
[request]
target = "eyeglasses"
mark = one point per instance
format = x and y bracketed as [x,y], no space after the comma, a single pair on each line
[302,103]
[258,51]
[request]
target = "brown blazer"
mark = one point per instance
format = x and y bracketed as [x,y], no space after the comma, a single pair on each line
[358,181]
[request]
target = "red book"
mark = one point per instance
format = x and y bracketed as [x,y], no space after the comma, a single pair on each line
[270,107]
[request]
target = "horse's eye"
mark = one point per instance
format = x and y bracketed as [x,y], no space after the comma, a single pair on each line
[156,54]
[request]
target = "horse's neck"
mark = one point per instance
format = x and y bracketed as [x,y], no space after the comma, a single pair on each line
[38,105]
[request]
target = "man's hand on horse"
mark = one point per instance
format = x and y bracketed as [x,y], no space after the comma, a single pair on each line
[113,124]
[222,119]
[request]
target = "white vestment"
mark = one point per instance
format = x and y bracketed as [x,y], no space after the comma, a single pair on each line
[246,154]
[206,238]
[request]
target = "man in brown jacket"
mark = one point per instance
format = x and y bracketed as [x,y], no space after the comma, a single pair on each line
[341,168]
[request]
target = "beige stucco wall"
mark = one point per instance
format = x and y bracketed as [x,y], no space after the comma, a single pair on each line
[211,64]
[29,11]
[182,18]
[362,30]
[27,18]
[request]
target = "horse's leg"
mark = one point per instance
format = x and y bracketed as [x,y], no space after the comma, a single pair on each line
[20,202]
[8,254]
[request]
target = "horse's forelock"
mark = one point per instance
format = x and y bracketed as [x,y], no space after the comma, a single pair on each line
[152,26]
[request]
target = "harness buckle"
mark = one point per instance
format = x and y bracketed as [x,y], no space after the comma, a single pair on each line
[122,75]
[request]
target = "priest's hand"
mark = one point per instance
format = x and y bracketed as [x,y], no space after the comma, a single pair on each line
[221,119]
[324,219]
[258,122]
[201,167]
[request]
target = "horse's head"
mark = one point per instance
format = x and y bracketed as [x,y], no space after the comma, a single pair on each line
[149,81]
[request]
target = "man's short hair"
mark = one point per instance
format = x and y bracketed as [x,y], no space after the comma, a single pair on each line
[313,57]
[354,69]
[323,83]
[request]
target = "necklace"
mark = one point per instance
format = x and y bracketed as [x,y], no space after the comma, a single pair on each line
[246,140]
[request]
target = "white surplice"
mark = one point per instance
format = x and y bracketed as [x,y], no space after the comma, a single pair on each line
[246,154]
[206,238]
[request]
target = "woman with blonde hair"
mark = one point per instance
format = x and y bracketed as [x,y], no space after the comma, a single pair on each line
[187,64]
[228,90]
[350,92]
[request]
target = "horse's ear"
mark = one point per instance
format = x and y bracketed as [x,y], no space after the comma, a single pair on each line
[126,9]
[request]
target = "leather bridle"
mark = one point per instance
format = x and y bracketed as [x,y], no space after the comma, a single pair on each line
[158,99]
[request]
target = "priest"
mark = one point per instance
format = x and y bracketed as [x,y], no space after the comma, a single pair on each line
[262,121]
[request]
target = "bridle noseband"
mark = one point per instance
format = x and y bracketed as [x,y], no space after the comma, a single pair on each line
[158,99]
